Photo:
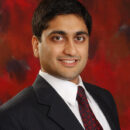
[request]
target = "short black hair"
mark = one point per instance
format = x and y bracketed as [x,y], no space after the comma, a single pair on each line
[48,9]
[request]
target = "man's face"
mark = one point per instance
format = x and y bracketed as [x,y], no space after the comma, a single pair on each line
[63,50]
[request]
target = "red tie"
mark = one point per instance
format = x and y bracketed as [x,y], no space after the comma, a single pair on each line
[89,120]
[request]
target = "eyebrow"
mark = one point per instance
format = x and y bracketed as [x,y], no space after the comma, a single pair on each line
[58,32]
[82,32]
[64,33]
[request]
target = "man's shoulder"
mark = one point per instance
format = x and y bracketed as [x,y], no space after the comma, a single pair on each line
[22,99]
[93,87]
[99,92]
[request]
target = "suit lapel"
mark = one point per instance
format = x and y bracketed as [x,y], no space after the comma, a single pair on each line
[59,111]
[63,115]
[99,98]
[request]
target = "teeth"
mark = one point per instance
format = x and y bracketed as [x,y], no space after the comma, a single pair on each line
[68,61]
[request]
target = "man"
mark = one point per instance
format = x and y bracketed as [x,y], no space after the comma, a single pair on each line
[59,99]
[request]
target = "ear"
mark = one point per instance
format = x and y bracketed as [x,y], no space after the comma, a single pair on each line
[35,44]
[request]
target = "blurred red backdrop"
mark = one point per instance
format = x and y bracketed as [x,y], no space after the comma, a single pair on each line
[109,55]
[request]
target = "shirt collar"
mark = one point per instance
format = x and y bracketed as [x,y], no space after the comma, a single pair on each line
[66,89]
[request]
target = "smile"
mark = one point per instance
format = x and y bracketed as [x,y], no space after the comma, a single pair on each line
[69,62]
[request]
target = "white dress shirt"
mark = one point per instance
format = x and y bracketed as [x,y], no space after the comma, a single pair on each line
[68,92]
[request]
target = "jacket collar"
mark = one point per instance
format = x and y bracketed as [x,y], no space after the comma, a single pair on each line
[59,111]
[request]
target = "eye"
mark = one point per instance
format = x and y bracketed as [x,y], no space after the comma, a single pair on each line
[57,38]
[80,38]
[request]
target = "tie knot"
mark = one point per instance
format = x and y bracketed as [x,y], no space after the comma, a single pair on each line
[81,93]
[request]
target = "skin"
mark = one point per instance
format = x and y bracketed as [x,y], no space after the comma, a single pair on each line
[63,49]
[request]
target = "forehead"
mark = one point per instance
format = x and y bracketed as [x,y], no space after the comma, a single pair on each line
[68,23]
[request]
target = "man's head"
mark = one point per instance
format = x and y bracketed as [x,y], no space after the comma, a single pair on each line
[48,9]
[61,37]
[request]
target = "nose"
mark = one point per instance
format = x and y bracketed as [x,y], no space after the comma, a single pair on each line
[70,48]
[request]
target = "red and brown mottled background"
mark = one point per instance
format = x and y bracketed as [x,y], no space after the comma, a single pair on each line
[109,58]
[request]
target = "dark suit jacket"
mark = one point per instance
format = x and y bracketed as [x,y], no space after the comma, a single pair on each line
[39,107]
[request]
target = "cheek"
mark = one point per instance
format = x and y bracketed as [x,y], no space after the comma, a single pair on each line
[43,52]
[84,52]
[50,53]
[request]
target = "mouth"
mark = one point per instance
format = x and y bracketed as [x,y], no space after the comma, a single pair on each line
[69,62]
